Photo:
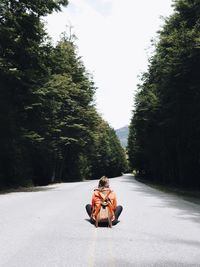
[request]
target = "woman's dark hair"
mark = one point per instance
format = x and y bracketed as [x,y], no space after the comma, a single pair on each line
[103,182]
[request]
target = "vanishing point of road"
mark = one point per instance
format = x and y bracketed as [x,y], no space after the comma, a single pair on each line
[48,227]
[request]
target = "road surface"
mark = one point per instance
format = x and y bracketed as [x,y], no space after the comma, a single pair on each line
[49,228]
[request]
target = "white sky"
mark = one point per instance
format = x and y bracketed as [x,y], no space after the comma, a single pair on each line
[113,41]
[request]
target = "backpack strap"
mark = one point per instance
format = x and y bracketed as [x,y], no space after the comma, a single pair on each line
[102,199]
[106,197]
[105,201]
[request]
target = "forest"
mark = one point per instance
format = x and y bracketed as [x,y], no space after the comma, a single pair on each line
[164,139]
[50,128]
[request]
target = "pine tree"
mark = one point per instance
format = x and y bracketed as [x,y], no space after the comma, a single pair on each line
[164,143]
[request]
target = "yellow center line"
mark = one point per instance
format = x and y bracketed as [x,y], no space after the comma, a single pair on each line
[92,248]
[110,250]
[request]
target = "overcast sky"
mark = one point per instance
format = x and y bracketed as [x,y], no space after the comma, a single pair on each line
[113,41]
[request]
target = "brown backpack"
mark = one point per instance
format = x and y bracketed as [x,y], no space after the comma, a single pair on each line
[104,215]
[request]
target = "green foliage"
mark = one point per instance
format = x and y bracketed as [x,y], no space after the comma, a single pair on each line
[163,140]
[22,69]
[49,122]
[108,156]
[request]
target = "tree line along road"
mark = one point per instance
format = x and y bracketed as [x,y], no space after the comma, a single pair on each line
[48,227]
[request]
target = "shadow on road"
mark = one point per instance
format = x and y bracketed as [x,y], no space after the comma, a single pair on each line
[188,207]
[120,262]
[102,225]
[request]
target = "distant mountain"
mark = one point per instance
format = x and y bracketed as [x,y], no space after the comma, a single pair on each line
[122,134]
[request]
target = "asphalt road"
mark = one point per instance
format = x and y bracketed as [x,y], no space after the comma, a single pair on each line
[49,228]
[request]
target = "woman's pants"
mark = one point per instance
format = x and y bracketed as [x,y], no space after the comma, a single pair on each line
[118,211]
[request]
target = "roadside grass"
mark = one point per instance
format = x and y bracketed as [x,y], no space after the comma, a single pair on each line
[189,194]
[26,189]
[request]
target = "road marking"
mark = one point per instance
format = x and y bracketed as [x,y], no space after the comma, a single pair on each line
[92,249]
[110,250]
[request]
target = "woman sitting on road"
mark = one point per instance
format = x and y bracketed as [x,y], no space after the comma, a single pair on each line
[94,209]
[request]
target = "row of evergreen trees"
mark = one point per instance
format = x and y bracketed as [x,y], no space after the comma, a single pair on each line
[50,129]
[164,140]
